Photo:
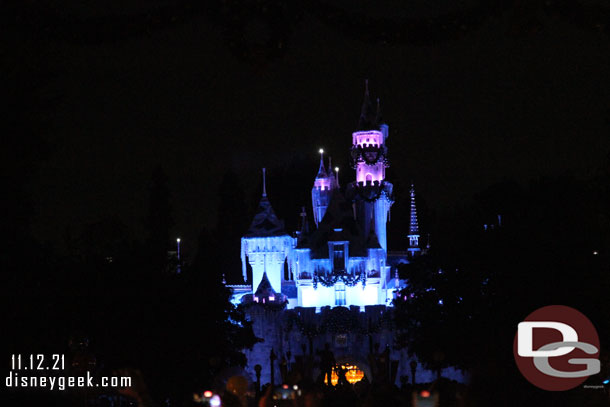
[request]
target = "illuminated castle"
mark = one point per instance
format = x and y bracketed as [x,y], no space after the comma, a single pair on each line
[344,261]
[333,284]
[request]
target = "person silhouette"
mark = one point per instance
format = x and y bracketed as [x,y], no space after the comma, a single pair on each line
[341,372]
[327,361]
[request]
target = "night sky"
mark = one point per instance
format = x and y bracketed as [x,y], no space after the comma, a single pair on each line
[521,96]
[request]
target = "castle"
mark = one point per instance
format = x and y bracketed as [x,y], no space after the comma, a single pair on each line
[334,284]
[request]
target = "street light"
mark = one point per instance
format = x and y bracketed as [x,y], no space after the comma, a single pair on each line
[178,268]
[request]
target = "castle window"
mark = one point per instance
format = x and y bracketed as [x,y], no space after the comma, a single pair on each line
[287,273]
[341,340]
[339,294]
[338,258]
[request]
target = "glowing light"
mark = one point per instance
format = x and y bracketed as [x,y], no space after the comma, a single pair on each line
[336,169]
[207,394]
[425,393]
[284,386]
[352,374]
[321,151]
[369,173]
[606,381]
[367,138]
[215,401]
[595,253]
[322,183]
[178,240]
[271,298]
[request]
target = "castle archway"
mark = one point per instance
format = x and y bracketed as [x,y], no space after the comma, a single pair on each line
[355,370]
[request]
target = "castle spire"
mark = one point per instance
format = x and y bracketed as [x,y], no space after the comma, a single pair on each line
[259,245]
[321,170]
[337,176]
[303,234]
[367,114]
[304,223]
[413,226]
[378,116]
[321,191]
[332,174]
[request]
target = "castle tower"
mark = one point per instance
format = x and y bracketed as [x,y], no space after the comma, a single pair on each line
[323,185]
[413,227]
[266,245]
[371,193]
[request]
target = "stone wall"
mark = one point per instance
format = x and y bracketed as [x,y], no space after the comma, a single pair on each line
[297,335]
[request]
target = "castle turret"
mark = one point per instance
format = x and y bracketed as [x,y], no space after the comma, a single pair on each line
[368,144]
[323,185]
[371,193]
[266,245]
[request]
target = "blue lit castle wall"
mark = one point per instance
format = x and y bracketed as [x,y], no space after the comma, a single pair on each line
[339,285]
[357,337]
[343,262]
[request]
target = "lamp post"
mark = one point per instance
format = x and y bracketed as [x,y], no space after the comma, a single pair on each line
[257,370]
[272,358]
[438,357]
[178,255]
[413,366]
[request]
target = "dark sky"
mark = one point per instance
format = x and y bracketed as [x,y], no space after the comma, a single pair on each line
[520,96]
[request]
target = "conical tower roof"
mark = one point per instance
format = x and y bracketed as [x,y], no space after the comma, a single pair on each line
[368,113]
[264,288]
[338,224]
[304,233]
[379,114]
[322,171]
[265,222]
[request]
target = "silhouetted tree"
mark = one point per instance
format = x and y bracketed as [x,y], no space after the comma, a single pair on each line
[483,276]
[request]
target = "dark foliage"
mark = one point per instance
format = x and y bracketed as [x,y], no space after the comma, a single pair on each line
[466,298]
[179,330]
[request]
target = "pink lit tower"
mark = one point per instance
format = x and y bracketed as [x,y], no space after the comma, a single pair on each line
[371,193]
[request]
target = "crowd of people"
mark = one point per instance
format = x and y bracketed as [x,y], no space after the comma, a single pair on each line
[302,386]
